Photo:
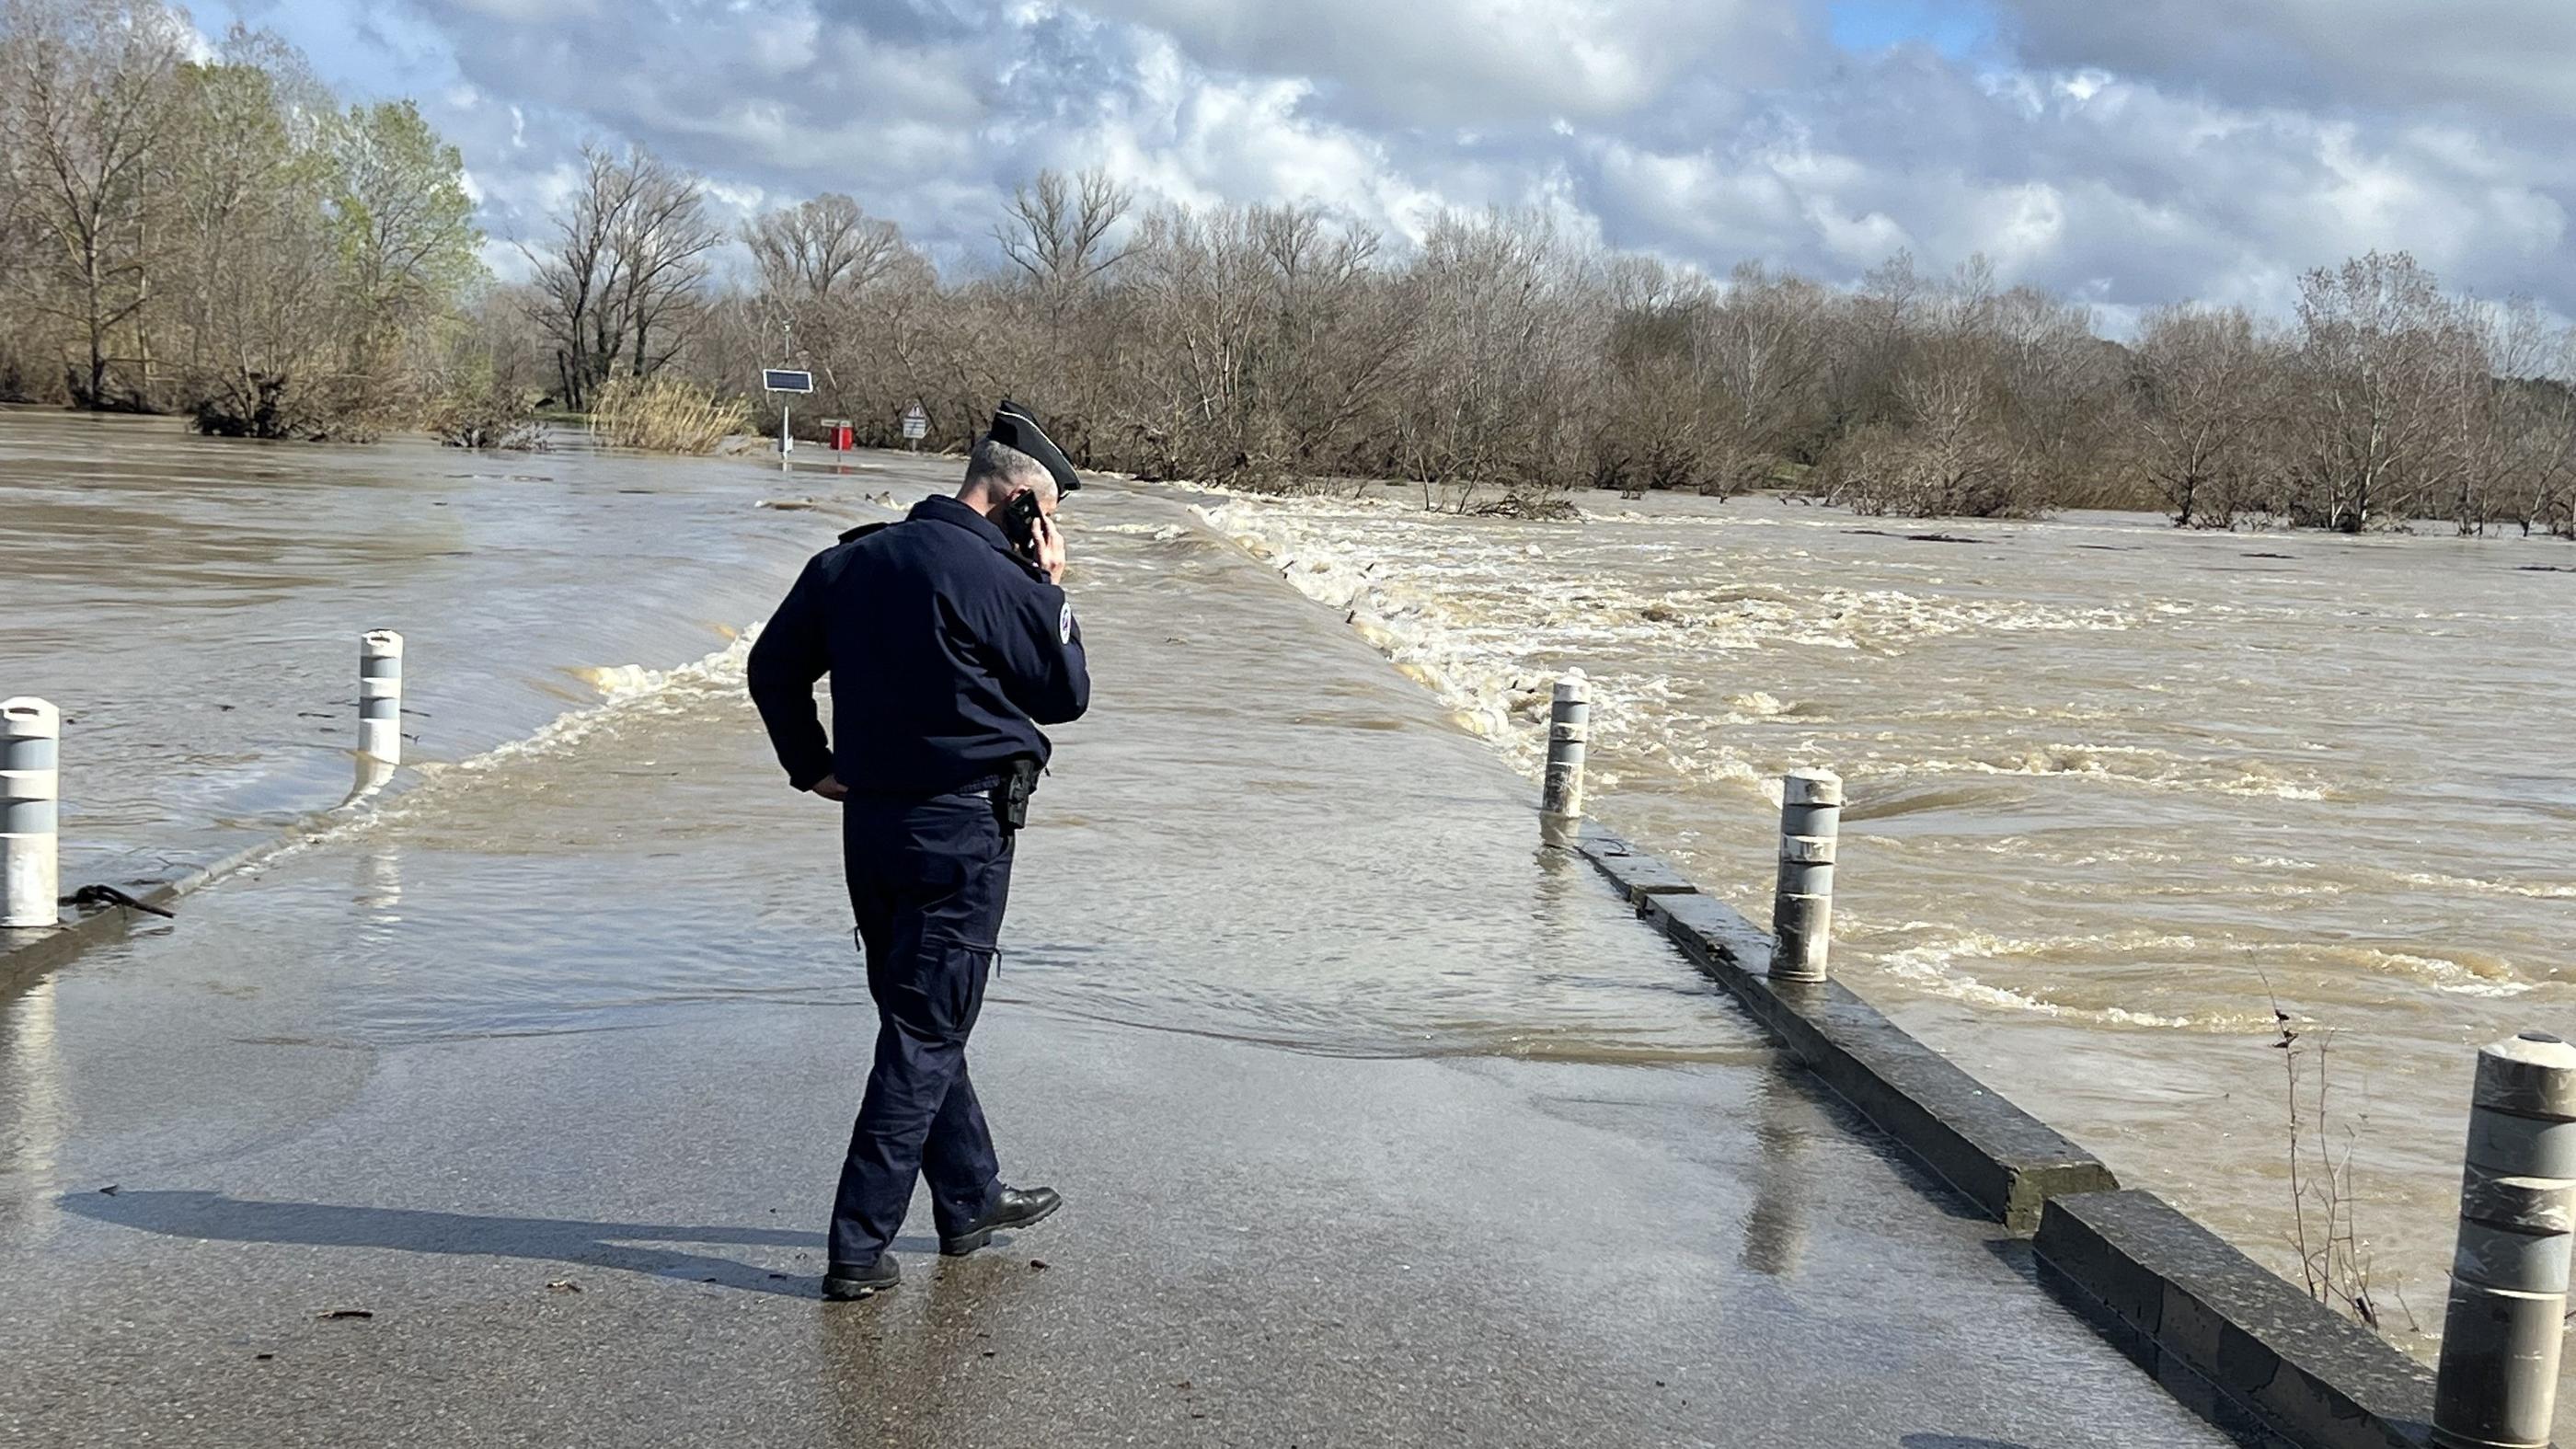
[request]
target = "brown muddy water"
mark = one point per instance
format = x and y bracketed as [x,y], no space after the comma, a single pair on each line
[194,607]
[2116,789]
[576,626]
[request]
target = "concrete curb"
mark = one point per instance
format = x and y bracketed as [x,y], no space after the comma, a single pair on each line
[2003,1159]
[1637,874]
[2227,1337]
[26,951]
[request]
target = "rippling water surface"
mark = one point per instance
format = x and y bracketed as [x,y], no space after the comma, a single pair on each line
[195,606]
[2117,790]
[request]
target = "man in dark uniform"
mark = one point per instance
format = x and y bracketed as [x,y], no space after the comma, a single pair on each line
[949,641]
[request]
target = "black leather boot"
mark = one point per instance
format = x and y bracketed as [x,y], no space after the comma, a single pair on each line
[844,1282]
[1012,1208]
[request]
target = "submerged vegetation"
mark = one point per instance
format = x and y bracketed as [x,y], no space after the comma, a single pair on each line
[664,414]
[485,417]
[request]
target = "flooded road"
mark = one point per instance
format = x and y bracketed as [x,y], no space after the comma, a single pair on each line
[506,1110]
[573,650]
[194,607]
[2117,789]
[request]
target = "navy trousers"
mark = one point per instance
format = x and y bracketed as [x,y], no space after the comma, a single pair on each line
[928,882]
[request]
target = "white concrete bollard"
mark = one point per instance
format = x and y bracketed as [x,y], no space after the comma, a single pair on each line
[2498,1382]
[380,695]
[1569,726]
[1802,907]
[31,734]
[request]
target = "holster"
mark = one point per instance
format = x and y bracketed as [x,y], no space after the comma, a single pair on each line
[1011,796]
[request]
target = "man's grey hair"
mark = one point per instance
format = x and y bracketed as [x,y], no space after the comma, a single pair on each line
[1005,469]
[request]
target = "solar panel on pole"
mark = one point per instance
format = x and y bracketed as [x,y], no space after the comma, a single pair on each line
[787,380]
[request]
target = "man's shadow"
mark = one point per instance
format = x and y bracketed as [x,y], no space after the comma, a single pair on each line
[581,1244]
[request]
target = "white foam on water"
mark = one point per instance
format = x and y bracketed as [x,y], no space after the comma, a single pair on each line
[626,691]
[1470,613]
[2133,765]
[1419,605]
[1934,967]
[2532,890]
[1481,620]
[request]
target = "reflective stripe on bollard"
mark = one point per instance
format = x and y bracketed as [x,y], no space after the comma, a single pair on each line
[30,798]
[1569,726]
[380,695]
[1802,905]
[2498,1383]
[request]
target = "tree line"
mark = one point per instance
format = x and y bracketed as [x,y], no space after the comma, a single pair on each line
[217,234]
[1499,364]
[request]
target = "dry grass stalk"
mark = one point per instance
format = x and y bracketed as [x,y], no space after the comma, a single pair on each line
[2334,1260]
[665,414]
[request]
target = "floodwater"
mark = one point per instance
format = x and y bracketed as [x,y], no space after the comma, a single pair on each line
[2118,792]
[576,625]
[195,607]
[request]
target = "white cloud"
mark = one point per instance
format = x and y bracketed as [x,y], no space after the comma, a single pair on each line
[2502,56]
[2127,154]
[1469,60]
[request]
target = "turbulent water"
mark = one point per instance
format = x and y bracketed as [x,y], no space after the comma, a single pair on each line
[2118,792]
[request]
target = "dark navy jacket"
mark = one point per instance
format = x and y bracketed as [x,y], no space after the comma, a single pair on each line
[946,648]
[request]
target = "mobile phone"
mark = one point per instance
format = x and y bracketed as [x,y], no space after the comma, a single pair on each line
[1020,520]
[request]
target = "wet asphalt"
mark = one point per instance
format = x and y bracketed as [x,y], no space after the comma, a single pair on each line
[333,1226]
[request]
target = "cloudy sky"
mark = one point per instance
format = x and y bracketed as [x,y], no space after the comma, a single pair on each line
[2124,151]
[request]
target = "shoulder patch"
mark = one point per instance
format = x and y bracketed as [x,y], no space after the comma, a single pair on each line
[1064,623]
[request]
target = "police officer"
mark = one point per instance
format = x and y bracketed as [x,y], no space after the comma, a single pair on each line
[949,641]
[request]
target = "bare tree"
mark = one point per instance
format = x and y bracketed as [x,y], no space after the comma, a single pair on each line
[822,250]
[847,291]
[2381,361]
[1762,354]
[1339,336]
[1649,424]
[2533,437]
[660,258]
[2204,388]
[1058,229]
[575,278]
[1199,286]
[2496,419]
[1505,340]
[260,295]
[619,286]
[1945,454]
[88,102]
